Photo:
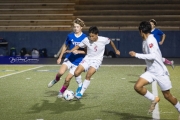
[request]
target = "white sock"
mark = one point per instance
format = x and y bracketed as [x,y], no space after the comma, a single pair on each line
[177,106]
[85,86]
[149,96]
[79,81]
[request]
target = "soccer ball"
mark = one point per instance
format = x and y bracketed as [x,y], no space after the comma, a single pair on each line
[68,95]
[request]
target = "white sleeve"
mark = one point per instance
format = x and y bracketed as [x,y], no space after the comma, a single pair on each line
[146,56]
[107,41]
[82,44]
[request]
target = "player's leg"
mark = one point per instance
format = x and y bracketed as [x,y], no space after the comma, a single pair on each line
[78,70]
[64,67]
[77,78]
[65,85]
[139,86]
[77,74]
[165,85]
[168,96]
[92,67]
[79,82]
[86,82]
[145,79]
[168,62]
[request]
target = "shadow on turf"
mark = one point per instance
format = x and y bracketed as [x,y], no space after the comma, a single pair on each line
[128,116]
[133,75]
[132,81]
[57,107]
[51,93]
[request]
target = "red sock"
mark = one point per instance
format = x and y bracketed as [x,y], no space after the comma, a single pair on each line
[63,89]
[167,62]
[57,78]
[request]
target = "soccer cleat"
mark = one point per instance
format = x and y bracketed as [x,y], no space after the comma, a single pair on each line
[172,64]
[153,104]
[60,95]
[78,89]
[78,95]
[52,83]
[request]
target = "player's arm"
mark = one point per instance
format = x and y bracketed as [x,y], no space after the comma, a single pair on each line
[142,56]
[163,36]
[162,39]
[150,56]
[152,52]
[63,49]
[80,51]
[114,47]
[73,49]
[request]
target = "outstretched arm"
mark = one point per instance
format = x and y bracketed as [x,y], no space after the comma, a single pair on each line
[62,51]
[150,56]
[162,39]
[75,48]
[80,51]
[114,47]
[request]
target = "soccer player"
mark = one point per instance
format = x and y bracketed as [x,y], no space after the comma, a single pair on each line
[95,49]
[156,70]
[160,37]
[71,60]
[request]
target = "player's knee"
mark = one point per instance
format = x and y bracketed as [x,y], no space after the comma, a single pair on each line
[137,88]
[76,73]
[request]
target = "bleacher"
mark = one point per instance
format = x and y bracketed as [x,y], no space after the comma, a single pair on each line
[57,15]
[36,15]
[126,14]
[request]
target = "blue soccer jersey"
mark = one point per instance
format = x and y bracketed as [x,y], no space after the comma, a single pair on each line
[157,34]
[71,42]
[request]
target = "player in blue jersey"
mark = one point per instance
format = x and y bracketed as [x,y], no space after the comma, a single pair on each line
[71,60]
[160,37]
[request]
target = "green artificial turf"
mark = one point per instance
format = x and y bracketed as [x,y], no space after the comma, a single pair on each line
[110,96]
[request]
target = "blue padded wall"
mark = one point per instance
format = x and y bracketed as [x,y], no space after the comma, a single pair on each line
[124,40]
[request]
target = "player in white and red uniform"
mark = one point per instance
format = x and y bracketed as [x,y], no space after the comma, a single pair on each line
[156,70]
[95,50]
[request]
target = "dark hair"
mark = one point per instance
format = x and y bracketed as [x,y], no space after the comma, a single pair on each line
[93,30]
[153,21]
[145,27]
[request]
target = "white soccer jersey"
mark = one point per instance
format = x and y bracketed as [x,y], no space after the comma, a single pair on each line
[95,50]
[153,57]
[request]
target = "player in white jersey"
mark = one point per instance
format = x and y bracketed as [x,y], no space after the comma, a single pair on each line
[95,50]
[156,70]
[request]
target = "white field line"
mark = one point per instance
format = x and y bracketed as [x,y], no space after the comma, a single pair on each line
[20,72]
[155,114]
